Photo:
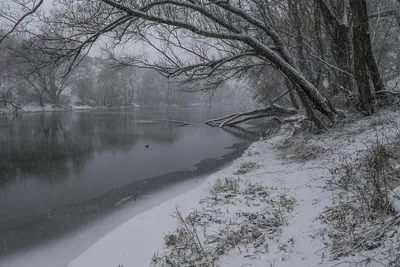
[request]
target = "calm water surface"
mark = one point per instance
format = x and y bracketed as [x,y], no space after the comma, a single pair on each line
[60,171]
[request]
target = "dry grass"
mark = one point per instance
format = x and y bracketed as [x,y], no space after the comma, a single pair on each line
[236,214]
[300,150]
[246,167]
[362,217]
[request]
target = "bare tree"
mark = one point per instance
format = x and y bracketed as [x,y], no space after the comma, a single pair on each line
[219,38]
[310,49]
[46,80]
[127,83]
[15,12]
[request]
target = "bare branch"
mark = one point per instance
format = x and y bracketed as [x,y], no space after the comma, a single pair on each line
[19,21]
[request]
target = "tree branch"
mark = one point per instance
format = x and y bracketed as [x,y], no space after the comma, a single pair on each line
[18,22]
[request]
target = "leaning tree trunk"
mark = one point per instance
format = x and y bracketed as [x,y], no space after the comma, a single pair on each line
[311,113]
[292,94]
[360,38]
[310,96]
[315,99]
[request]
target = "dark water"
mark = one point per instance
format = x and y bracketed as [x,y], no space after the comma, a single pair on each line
[61,171]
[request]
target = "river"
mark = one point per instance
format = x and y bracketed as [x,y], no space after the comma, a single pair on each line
[62,171]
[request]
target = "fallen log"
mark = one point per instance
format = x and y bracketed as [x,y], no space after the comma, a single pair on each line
[212,121]
[229,120]
[172,121]
[236,118]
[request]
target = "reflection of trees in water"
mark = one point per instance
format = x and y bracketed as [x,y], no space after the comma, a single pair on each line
[160,132]
[119,131]
[52,145]
[40,144]
[116,130]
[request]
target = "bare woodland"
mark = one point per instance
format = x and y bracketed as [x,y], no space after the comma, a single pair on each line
[322,58]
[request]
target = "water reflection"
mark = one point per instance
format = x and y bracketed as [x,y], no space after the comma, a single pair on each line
[55,144]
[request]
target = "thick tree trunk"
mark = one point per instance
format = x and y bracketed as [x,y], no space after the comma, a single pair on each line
[54,98]
[340,44]
[341,50]
[311,113]
[294,6]
[371,61]
[360,38]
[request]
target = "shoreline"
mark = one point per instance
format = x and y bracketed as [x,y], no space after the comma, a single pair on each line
[266,208]
[51,227]
[47,109]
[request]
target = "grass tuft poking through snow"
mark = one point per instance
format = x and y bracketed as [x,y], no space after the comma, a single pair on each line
[362,217]
[246,167]
[300,151]
[236,214]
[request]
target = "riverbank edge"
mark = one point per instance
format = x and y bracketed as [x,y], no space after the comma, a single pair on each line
[48,108]
[137,189]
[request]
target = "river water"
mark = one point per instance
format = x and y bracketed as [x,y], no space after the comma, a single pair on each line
[61,171]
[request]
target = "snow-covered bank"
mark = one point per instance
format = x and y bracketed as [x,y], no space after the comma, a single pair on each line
[47,108]
[268,208]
